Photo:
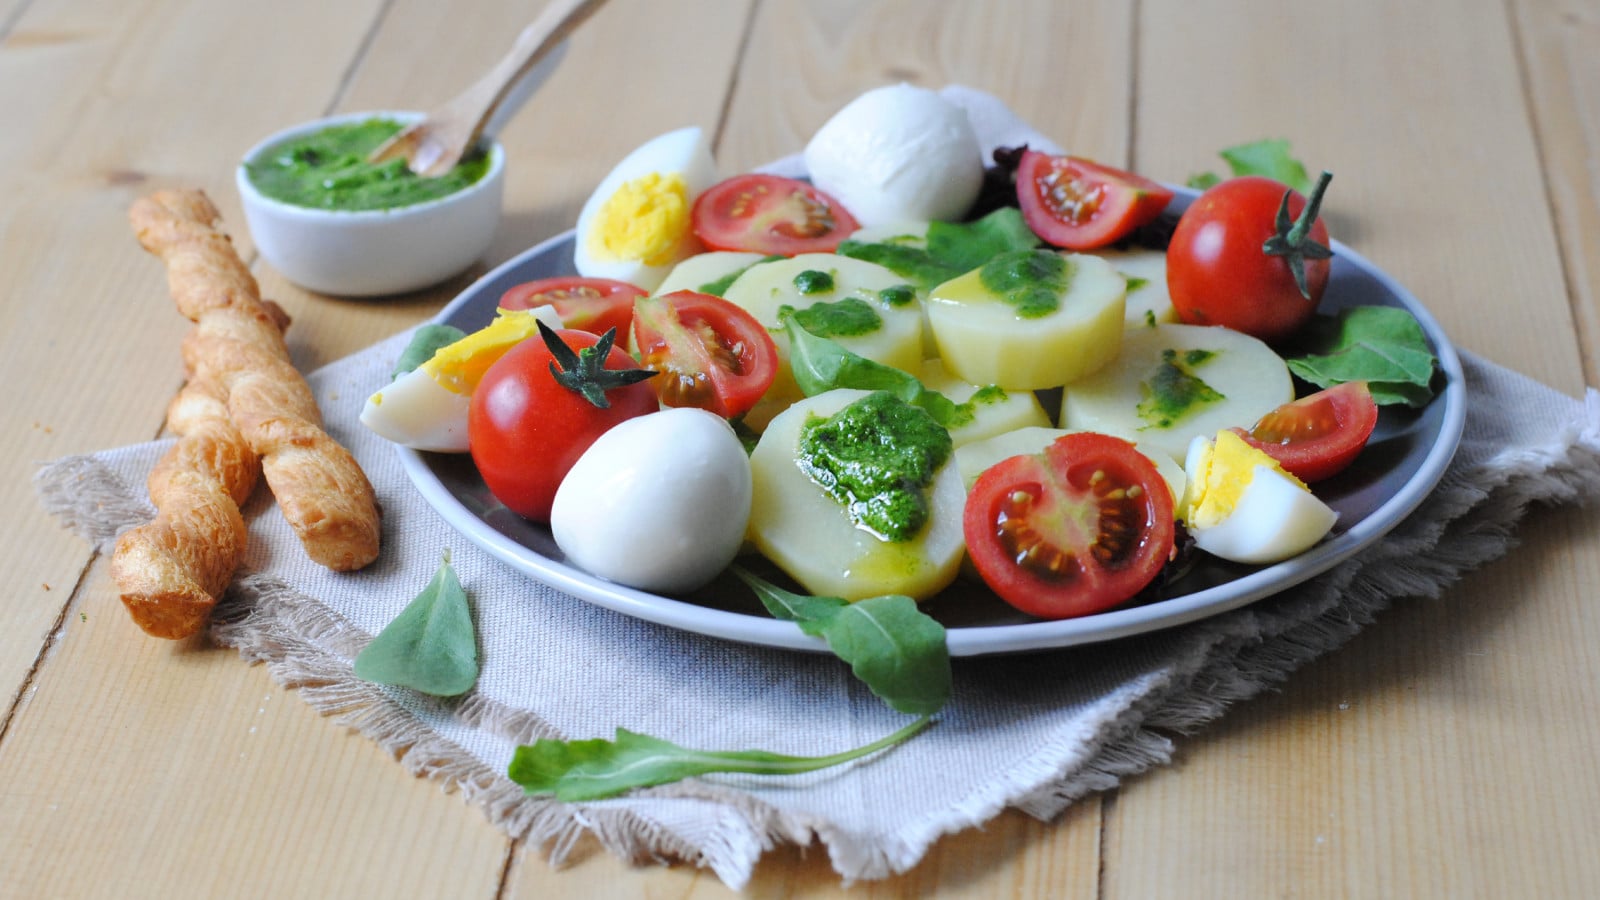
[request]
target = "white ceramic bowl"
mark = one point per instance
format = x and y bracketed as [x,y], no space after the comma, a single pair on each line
[372,252]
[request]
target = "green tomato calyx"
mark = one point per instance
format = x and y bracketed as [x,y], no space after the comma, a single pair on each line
[1292,241]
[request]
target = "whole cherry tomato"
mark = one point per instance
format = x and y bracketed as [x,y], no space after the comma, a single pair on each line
[1250,254]
[542,404]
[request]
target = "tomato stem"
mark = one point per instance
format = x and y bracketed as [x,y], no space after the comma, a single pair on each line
[1292,240]
[584,372]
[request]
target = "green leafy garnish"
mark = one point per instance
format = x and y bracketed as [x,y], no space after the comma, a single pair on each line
[425,342]
[431,646]
[896,649]
[821,365]
[574,771]
[1269,158]
[954,248]
[1381,345]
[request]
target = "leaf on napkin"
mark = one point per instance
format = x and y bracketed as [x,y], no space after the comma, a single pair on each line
[1381,345]
[425,342]
[431,646]
[594,769]
[898,651]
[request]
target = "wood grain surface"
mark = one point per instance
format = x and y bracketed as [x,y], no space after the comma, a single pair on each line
[1446,751]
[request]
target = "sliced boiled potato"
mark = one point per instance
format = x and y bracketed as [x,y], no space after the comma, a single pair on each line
[995,410]
[704,270]
[810,535]
[1146,272]
[1171,383]
[765,289]
[908,234]
[973,458]
[985,339]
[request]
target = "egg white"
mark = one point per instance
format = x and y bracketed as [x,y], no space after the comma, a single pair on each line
[417,412]
[684,153]
[1274,518]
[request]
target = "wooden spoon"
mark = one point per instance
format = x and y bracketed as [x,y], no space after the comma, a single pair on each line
[435,144]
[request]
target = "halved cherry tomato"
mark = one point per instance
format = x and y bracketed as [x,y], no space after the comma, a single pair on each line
[1219,271]
[711,353]
[1080,205]
[1319,435]
[1077,529]
[772,215]
[526,428]
[595,305]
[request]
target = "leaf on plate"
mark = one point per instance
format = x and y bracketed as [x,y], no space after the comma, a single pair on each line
[1381,345]
[431,646]
[954,248]
[580,770]
[821,365]
[1269,158]
[896,650]
[425,342]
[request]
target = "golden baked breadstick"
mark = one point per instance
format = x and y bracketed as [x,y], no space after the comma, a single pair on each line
[237,346]
[172,570]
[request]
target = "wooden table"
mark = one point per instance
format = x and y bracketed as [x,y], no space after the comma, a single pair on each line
[1447,751]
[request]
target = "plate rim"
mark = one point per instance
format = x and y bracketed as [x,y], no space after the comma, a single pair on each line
[979,640]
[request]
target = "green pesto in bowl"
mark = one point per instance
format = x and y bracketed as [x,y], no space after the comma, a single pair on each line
[328,169]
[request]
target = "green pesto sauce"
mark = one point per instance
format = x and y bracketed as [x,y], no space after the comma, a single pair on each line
[812,281]
[897,296]
[1173,390]
[1030,281]
[850,317]
[328,169]
[877,458]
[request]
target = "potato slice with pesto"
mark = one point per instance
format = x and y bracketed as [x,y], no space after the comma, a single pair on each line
[708,273]
[993,410]
[1029,319]
[856,495]
[1146,274]
[864,307]
[1171,383]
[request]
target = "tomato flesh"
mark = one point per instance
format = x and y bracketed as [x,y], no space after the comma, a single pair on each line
[1319,435]
[1218,274]
[1077,204]
[595,305]
[772,215]
[525,430]
[709,352]
[1078,529]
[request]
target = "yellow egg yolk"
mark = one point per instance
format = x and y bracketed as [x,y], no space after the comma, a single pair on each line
[1224,469]
[460,366]
[645,219]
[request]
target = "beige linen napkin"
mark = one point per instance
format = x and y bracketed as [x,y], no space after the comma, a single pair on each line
[1032,731]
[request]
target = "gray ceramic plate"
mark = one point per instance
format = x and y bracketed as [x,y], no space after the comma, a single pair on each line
[1404,460]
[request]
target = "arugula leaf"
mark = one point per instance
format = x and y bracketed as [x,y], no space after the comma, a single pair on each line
[1381,345]
[1269,157]
[820,364]
[898,651]
[594,769]
[425,341]
[431,646]
[953,248]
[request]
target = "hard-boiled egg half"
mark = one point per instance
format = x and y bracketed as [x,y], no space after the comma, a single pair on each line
[1240,505]
[636,225]
[426,408]
[659,502]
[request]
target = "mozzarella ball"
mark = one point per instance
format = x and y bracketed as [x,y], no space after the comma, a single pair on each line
[659,502]
[637,224]
[898,153]
[1241,506]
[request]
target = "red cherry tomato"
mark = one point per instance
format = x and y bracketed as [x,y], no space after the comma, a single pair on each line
[1080,205]
[772,215]
[1319,435]
[710,353]
[1077,529]
[525,429]
[595,305]
[1219,274]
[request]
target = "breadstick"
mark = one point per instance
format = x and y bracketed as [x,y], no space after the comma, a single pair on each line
[237,346]
[172,570]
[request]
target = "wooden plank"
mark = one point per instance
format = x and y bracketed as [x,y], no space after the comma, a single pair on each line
[1560,43]
[1417,760]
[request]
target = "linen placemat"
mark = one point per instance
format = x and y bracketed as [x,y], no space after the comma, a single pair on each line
[1033,731]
